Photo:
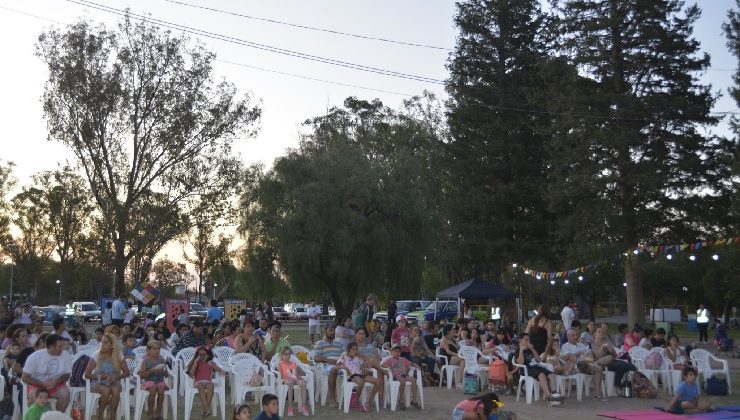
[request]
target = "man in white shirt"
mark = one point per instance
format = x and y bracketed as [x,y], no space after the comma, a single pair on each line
[119,310]
[314,320]
[50,369]
[579,354]
[567,315]
[702,321]
[130,314]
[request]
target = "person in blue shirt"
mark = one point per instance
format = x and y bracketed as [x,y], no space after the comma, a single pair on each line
[686,399]
[269,408]
[213,314]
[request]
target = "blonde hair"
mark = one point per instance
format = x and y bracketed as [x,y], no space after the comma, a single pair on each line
[114,354]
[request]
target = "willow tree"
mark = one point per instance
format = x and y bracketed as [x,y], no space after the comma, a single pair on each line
[141,111]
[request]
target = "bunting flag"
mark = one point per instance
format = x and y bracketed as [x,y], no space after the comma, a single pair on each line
[641,249]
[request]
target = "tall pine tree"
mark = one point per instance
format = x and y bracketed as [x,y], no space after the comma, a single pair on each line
[496,155]
[640,168]
[732,31]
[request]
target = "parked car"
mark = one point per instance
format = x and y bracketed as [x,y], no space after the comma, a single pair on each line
[197,311]
[280,313]
[86,312]
[444,309]
[299,313]
[403,308]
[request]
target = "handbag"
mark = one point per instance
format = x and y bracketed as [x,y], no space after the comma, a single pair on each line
[716,386]
[470,384]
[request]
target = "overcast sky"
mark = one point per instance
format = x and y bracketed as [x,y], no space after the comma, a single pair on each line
[286,100]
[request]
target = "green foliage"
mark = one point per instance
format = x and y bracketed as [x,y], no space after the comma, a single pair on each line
[348,211]
[496,157]
[167,274]
[141,112]
[732,32]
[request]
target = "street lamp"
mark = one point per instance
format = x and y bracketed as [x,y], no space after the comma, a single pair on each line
[215,285]
[59,283]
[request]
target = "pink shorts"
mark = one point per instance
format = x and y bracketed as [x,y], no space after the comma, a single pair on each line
[52,391]
[203,382]
[149,385]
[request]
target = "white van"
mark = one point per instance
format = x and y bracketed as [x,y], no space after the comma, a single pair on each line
[86,311]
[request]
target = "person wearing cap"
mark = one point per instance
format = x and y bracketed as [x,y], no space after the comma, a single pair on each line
[399,368]
[192,338]
[401,337]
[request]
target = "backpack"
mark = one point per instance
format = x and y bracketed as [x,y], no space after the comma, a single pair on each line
[653,361]
[716,386]
[497,372]
[359,316]
[78,371]
[470,384]
[642,387]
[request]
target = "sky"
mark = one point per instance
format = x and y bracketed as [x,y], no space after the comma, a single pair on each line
[286,101]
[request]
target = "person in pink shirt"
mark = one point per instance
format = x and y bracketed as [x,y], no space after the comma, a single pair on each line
[401,336]
[481,408]
[292,374]
[399,367]
[201,370]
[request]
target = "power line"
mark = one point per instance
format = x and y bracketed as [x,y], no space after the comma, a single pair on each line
[313,78]
[312,28]
[264,47]
[31,15]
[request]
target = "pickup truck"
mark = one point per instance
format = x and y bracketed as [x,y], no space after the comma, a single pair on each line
[444,309]
[403,307]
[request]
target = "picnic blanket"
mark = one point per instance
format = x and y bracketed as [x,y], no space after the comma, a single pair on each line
[657,414]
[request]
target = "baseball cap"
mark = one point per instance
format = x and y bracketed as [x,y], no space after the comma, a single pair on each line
[401,318]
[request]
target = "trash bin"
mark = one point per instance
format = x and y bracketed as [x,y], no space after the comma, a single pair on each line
[667,326]
[692,324]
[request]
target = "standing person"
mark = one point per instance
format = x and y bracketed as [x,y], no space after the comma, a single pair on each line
[539,328]
[119,310]
[130,314]
[105,370]
[567,315]
[213,315]
[314,320]
[392,310]
[269,314]
[702,321]
[364,313]
[107,314]
[50,369]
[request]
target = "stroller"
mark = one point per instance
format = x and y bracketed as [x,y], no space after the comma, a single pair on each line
[725,344]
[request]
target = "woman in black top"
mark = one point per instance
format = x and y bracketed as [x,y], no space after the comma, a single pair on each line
[539,328]
[449,348]
[528,356]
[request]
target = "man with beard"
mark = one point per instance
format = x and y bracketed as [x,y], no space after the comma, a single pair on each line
[328,351]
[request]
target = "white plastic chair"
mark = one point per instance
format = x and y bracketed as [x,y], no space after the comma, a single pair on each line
[393,387]
[233,360]
[223,353]
[638,355]
[140,352]
[471,356]
[703,360]
[664,373]
[219,395]
[92,398]
[243,371]
[563,383]
[141,395]
[282,389]
[531,385]
[183,359]
[349,387]
[446,370]
[75,391]
[87,348]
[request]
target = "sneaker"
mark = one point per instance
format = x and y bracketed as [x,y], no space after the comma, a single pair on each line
[304,411]
[555,398]
[291,413]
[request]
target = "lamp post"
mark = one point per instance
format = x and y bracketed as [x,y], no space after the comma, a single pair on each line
[215,285]
[59,283]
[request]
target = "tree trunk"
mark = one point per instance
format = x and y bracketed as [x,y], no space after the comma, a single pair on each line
[635,304]
[120,263]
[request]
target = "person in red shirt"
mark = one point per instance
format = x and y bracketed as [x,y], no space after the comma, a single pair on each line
[402,337]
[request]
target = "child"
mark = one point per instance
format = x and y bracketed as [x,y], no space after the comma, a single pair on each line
[352,363]
[38,408]
[242,412]
[269,408]
[153,371]
[98,336]
[399,367]
[129,344]
[292,375]
[686,399]
[480,408]
[11,354]
[201,369]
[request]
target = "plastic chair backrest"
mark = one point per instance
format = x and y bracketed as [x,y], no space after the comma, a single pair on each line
[140,352]
[245,369]
[639,352]
[470,355]
[223,353]
[236,358]
[185,355]
[701,357]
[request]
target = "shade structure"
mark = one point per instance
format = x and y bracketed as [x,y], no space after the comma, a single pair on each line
[475,289]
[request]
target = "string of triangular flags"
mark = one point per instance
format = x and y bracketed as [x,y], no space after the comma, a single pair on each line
[652,249]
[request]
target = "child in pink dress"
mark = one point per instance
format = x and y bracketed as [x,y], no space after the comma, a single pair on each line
[353,364]
[292,374]
[201,369]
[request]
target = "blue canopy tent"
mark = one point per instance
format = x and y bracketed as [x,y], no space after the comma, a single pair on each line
[475,289]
